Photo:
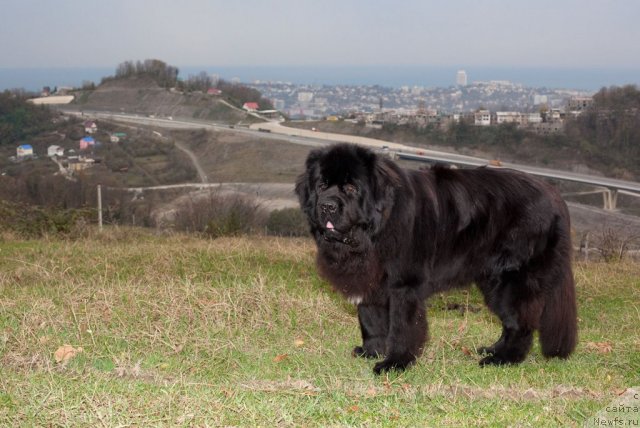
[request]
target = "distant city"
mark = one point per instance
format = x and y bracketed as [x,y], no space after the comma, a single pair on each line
[315,101]
[458,94]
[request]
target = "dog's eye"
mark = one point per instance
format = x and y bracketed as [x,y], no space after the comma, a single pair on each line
[350,188]
[323,185]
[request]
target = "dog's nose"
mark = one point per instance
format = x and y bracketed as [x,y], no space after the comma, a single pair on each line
[329,207]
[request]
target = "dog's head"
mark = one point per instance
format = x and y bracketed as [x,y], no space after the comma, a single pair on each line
[346,193]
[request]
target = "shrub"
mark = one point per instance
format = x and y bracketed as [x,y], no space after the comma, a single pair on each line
[615,243]
[287,222]
[217,215]
[26,221]
[234,217]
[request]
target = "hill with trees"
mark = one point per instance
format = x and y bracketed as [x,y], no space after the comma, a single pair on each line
[152,87]
[608,132]
[20,120]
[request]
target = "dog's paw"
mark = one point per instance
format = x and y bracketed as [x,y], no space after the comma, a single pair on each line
[360,352]
[486,350]
[495,360]
[393,363]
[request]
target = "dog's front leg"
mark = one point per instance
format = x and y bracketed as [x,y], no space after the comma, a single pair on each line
[407,329]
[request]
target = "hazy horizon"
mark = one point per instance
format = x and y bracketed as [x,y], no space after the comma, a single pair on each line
[578,44]
[34,78]
[465,33]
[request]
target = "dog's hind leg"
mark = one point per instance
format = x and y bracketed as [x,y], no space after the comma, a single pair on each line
[512,300]
[558,322]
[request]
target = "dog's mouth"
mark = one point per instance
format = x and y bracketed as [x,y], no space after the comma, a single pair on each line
[330,229]
[331,234]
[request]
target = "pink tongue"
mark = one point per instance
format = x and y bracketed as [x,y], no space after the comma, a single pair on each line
[330,225]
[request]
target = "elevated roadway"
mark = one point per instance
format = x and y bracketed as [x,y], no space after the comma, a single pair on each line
[609,187]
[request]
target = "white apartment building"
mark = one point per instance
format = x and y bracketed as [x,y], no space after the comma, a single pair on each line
[482,118]
[509,117]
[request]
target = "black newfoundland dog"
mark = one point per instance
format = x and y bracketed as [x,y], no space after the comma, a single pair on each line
[388,238]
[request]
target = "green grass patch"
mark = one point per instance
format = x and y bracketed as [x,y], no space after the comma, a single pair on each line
[180,331]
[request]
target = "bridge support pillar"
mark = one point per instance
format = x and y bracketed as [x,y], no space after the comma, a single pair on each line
[610,199]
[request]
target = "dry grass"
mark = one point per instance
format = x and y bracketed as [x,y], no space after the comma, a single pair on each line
[188,332]
[235,157]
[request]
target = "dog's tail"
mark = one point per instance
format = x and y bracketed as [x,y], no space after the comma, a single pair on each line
[558,322]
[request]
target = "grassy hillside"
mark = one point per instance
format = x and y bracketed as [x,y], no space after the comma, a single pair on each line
[235,157]
[142,95]
[177,331]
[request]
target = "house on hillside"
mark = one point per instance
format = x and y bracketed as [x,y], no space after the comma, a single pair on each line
[579,104]
[90,127]
[55,151]
[250,106]
[87,143]
[554,115]
[116,137]
[24,151]
[509,117]
[80,163]
[482,118]
[532,118]
[214,91]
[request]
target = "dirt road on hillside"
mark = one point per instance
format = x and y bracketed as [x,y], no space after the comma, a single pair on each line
[194,160]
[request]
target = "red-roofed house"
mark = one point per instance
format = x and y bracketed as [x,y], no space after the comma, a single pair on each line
[250,106]
[90,127]
[214,91]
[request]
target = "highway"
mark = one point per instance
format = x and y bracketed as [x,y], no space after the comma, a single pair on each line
[192,124]
[416,154]
[311,138]
[608,186]
[627,186]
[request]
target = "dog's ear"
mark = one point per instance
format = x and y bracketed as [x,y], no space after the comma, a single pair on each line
[304,185]
[385,172]
[386,182]
[302,188]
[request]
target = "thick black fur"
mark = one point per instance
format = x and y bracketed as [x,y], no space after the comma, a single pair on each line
[389,238]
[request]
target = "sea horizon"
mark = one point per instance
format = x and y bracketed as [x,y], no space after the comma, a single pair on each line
[584,79]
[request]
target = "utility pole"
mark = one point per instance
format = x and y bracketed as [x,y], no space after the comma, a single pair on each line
[100,207]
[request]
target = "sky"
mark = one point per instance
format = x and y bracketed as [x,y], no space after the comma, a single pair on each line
[504,33]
